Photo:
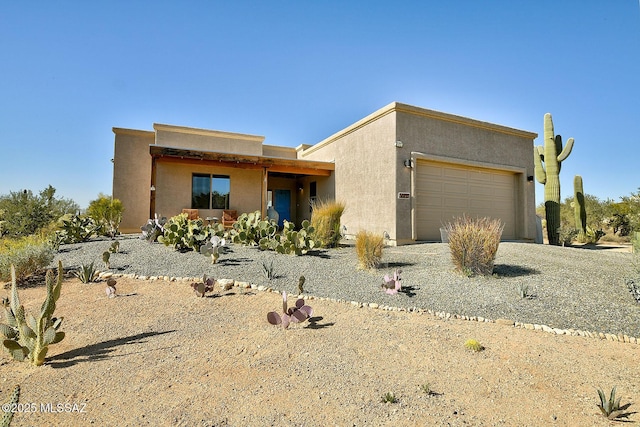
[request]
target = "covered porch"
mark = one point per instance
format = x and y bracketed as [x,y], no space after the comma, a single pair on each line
[247,182]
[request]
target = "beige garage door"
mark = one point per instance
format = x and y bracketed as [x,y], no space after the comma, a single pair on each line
[445,191]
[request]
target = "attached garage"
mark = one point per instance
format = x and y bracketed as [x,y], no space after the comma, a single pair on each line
[446,190]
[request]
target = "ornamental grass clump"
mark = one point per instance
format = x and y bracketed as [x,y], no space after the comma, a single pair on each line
[369,249]
[325,221]
[28,255]
[474,243]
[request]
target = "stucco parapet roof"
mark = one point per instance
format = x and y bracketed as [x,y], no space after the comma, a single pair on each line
[207,132]
[397,107]
[126,131]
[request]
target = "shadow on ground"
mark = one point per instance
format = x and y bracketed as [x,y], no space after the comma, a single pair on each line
[97,351]
[507,270]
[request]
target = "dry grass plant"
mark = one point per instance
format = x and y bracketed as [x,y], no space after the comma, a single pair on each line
[325,219]
[369,249]
[474,243]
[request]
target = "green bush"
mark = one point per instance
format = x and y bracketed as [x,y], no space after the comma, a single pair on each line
[107,213]
[369,249]
[22,213]
[325,220]
[28,254]
[567,235]
[474,244]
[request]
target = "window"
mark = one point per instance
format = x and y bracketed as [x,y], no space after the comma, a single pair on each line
[313,189]
[210,191]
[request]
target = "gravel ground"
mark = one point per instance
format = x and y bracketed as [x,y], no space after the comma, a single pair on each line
[569,287]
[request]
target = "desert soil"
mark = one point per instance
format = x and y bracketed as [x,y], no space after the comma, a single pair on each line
[159,356]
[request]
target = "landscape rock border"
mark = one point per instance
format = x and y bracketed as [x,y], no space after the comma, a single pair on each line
[227,284]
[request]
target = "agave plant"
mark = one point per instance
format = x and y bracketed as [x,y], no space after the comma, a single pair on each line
[611,408]
[86,273]
[391,285]
[296,314]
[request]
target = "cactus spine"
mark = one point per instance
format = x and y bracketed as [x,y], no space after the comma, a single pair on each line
[579,209]
[28,337]
[552,154]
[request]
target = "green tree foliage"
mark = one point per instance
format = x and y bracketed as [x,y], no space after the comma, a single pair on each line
[22,213]
[107,213]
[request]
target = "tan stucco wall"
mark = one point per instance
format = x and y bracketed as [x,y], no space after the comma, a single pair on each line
[370,169]
[444,137]
[173,183]
[365,158]
[208,140]
[132,176]
[275,151]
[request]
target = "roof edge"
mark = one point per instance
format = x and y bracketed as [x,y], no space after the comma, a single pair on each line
[207,132]
[398,107]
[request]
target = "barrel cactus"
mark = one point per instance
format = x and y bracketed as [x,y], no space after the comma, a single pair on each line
[548,161]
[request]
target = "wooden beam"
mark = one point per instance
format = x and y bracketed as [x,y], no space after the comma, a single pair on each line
[292,166]
[242,161]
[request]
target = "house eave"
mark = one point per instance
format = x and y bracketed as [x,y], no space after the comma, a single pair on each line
[272,164]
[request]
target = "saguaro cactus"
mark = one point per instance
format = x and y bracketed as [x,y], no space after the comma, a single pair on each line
[579,209]
[551,154]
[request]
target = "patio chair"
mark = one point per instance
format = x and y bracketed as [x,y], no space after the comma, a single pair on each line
[191,213]
[229,217]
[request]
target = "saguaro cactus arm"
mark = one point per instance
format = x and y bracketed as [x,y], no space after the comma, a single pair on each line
[566,150]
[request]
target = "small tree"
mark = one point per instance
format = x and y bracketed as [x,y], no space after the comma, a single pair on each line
[23,213]
[107,213]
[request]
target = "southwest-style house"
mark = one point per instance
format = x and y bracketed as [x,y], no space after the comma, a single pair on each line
[402,170]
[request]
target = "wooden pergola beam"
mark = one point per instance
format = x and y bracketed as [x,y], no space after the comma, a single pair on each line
[271,164]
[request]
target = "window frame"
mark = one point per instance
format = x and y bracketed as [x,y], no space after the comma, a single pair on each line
[211,190]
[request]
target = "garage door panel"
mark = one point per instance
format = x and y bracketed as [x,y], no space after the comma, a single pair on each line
[446,191]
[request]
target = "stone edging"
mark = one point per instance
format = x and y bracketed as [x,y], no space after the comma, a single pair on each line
[227,284]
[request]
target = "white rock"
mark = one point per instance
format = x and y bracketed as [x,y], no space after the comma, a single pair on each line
[225,284]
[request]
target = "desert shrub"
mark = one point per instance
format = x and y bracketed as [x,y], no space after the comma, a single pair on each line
[325,220]
[22,213]
[28,254]
[369,249]
[474,243]
[594,235]
[75,228]
[567,234]
[107,213]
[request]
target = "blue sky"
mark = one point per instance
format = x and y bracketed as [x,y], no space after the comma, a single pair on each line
[298,71]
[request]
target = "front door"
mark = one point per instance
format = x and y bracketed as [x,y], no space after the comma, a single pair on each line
[282,205]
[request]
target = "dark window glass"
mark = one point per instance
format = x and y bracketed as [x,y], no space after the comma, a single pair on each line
[210,191]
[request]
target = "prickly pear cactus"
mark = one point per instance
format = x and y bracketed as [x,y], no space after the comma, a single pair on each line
[27,337]
[296,314]
[13,401]
[548,161]
[579,208]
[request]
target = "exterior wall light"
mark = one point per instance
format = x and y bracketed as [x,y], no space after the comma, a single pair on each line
[399,144]
[153,188]
[530,178]
[408,164]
